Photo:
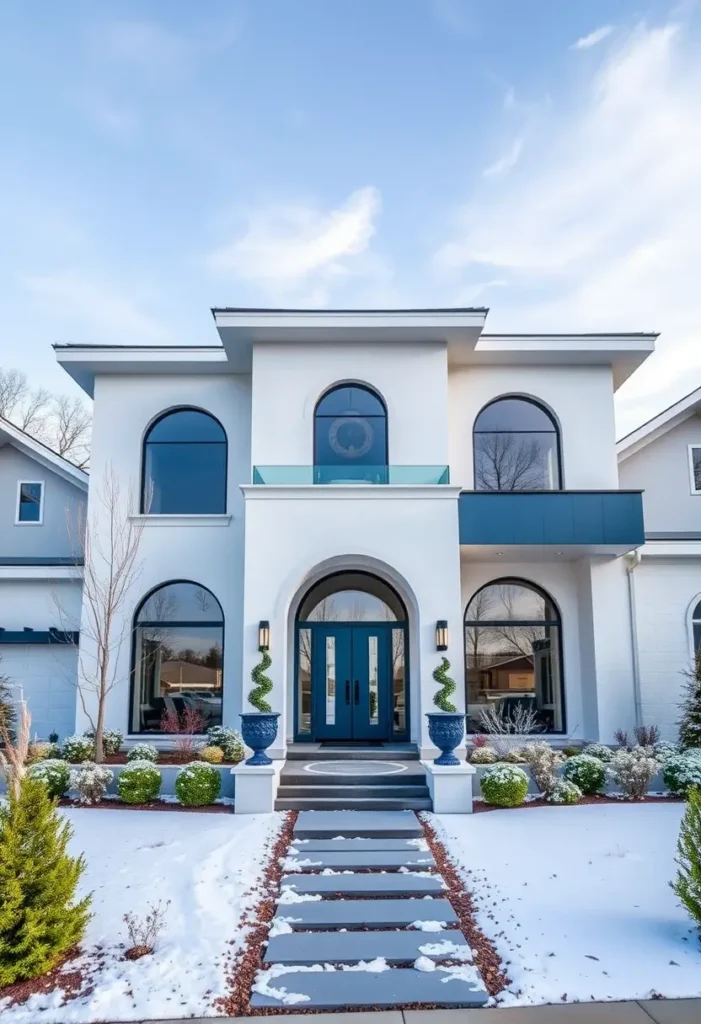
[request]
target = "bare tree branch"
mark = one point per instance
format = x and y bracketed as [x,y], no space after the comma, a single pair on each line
[509,462]
[33,413]
[70,429]
[13,389]
[58,421]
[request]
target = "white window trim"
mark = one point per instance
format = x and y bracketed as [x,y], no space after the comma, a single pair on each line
[40,520]
[692,481]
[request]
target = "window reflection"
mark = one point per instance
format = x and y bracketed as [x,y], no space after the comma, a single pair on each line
[516,447]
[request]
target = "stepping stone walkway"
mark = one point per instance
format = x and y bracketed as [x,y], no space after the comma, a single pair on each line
[361,893]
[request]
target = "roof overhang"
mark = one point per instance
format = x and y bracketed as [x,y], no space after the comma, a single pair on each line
[661,424]
[29,446]
[84,362]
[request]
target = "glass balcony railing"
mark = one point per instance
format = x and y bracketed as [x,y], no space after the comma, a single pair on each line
[407,475]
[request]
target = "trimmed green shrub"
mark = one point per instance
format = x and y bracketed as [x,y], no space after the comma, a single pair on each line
[599,750]
[262,684]
[40,917]
[139,782]
[504,785]
[447,686]
[77,749]
[197,784]
[572,751]
[54,773]
[687,885]
[212,755]
[142,752]
[586,772]
[564,792]
[229,740]
[484,755]
[682,771]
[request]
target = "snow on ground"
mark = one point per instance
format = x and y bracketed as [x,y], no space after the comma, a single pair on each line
[205,864]
[577,899]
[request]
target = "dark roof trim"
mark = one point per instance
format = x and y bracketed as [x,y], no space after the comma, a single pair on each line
[687,535]
[35,440]
[657,414]
[135,348]
[576,490]
[575,334]
[15,560]
[322,312]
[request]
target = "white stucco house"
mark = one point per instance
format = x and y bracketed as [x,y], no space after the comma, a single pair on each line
[374,489]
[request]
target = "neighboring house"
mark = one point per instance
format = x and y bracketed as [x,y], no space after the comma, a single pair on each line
[663,457]
[40,588]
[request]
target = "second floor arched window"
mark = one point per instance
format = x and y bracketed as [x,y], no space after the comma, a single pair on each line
[517,447]
[350,436]
[184,465]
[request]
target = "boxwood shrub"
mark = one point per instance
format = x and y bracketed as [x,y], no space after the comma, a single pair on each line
[599,750]
[682,771]
[504,785]
[139,782]
[77,749]
[54,773]
[564,792]
[197,784]
[142,752]
[586,772]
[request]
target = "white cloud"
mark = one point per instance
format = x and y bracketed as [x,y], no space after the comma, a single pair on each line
[597,36]
[299,249]
[506,162]
[600,229]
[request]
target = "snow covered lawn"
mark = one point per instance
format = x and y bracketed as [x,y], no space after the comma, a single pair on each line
[203,864]
[577,901]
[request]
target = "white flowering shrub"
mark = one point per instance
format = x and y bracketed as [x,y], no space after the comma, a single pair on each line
[564,792]
[682,771]
[91,781]
[514,756]
[229,740]
[139,782]
[112,741]
[633,770]
[586,772]
[665,749]
[598,750]
[54,773]
[197,784]
[77,749]
[142,752]
[544,761]
[504,785]
[483,755]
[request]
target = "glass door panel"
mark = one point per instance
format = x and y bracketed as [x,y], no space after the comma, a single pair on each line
[332,682]
[371,707]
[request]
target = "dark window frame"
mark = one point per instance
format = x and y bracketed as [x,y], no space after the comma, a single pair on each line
[318,417]
[154,423]
[555,430]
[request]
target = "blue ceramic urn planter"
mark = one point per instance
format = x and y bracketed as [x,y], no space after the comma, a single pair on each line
[446,731]
[259,729]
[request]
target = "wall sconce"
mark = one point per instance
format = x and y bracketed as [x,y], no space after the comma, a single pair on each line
[442,635]
[263,635]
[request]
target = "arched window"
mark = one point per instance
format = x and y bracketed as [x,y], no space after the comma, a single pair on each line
[696,626]
[350,436]
[517,447]
[184,464]
[178,659]
[513,656]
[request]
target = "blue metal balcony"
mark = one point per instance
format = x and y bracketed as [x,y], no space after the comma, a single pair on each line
[608,520]
[349,474]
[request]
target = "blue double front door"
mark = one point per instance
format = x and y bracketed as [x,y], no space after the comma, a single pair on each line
[352,696]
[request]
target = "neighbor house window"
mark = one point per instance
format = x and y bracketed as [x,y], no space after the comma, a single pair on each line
[517,447]
[695,467]
[178,659]
[184,465]
[30,502]
[350,436]
[513,656]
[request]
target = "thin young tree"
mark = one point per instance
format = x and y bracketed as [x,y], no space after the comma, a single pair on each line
[15,747]
[107,542]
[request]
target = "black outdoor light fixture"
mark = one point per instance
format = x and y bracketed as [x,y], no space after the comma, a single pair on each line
[442,635]
[263,635]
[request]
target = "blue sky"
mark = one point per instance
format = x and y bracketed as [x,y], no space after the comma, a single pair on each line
[538,157]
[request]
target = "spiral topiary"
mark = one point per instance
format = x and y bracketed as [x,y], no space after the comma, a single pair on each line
[442,697]
[263,684]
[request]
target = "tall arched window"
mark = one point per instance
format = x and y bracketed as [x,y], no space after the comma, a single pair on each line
[350,436]
[513,656]
[177,659]
[696,626]
[517,447]
[184,464]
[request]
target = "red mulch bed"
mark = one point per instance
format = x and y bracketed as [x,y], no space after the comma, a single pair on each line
[155,805]
[479,805]
[72,983]
[168,757]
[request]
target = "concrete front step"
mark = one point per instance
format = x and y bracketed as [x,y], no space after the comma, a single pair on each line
[313,752]
[320,803]
[305,846]
[394,883]
[352,947]
[358,860]
[336,989]
[310,780]
[377,913]
[391,824]
[362,790]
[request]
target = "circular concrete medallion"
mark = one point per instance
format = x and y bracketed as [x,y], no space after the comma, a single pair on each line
[355,768]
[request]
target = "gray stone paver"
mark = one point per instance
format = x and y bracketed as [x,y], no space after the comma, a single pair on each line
[673,1011]
[344,845]
[372,824]
[376,913]
[394,883]
[357,860]
[396,947]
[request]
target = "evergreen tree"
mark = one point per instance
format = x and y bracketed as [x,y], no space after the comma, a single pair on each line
[690,723]
[40,919]
[688,882]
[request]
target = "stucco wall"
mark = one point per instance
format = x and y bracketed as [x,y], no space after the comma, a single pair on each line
[661,469]
[580,397]
[50,538]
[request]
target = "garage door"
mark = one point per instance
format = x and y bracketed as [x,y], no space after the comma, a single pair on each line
[47,675]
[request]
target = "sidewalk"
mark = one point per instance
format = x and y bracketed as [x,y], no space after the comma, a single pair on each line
[656,1011]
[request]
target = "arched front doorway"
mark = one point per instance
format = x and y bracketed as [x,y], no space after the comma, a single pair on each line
[351,661]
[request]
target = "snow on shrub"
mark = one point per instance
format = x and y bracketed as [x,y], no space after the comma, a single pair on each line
[514,756]
[91,782]
[228,740]
[543,760]
[633,770]
[212,755]
[599,750]
[586,772]
[682,771]
[42,752]
[112,741]
[142,752]
[687,885]
[483,755]
[139,782]
[197,784]
[665,749]
[564,792]
[54,773]
[504,785]
[77,748]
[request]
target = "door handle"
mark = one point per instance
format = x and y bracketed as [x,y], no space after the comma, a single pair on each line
[347,691]
[357,693]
